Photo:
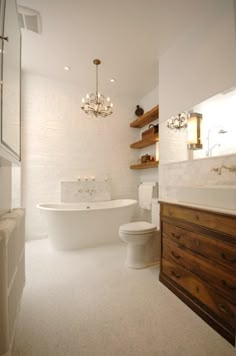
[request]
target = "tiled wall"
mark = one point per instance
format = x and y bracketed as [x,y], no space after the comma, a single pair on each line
[196,172]
[173,146]
[85,191]
[60,143]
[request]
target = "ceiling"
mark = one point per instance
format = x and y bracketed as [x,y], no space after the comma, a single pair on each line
[127,35]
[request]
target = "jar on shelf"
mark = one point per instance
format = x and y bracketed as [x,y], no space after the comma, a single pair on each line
[139,111]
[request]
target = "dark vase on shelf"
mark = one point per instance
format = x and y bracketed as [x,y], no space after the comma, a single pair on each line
[139,111]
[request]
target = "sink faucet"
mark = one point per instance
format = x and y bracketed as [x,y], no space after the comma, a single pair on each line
[218,170]
[220,131]
[211,149]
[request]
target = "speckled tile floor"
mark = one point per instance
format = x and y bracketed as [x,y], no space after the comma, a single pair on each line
[88,303]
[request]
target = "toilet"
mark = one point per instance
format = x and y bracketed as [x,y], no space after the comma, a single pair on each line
[142,237]
[137,235]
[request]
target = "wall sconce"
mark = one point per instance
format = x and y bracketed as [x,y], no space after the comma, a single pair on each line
[194,131]
[177,122]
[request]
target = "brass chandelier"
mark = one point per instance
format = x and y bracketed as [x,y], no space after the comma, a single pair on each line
[97,105]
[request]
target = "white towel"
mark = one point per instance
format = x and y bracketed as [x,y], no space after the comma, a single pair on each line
[146,195]
[156,213]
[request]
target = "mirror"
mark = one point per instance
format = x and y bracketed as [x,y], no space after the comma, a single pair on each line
[218,129]
[218,125]
[10,48]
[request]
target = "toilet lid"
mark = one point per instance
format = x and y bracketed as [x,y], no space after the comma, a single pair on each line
[137,227]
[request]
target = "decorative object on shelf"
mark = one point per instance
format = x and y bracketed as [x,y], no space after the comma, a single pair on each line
[139,111]
[150,132]
[194,131]
[145,158]
[155,127]
[96,105]
[149,137]
[177,122]
[146,118]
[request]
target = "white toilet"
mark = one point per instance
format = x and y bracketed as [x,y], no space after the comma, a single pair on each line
[137,235]
[143,238]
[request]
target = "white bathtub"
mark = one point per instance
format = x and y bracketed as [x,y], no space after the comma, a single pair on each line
[74,226]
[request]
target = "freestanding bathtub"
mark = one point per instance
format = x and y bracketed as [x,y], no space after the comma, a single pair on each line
[79,225]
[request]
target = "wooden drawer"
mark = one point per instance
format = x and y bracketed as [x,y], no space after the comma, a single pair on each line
[215,221]
[201,291]
[211,248]
[222,278]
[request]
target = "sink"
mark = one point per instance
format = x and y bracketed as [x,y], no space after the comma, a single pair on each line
[216,196]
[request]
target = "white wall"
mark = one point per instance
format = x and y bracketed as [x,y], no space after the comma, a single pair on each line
[200,64]
[5,186]
[16,186]
[150,100]
[59,142]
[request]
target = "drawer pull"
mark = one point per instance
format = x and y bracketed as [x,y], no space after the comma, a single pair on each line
[175,274]
[225,284]
[222,308]
[175,255]
[176,236]
[227,259]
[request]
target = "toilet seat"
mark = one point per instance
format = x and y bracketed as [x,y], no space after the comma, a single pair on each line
[137,227]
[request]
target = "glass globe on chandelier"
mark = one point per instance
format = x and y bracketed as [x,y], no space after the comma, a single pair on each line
[97,105]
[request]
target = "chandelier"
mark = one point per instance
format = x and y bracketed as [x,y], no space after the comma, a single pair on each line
[177,122]
[96,105]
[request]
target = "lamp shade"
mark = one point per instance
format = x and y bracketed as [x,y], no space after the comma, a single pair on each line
[194,131]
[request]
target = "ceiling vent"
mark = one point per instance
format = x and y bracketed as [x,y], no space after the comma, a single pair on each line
[29,19]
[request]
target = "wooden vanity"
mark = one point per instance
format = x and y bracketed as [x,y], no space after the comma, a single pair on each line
[198,263]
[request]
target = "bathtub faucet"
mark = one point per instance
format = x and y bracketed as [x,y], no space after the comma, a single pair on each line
[90,191]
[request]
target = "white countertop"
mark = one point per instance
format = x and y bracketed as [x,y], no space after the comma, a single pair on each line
[198,206]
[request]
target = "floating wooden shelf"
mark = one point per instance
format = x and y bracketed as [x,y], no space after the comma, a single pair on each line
[146,118]
[144,143]
[146,165]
